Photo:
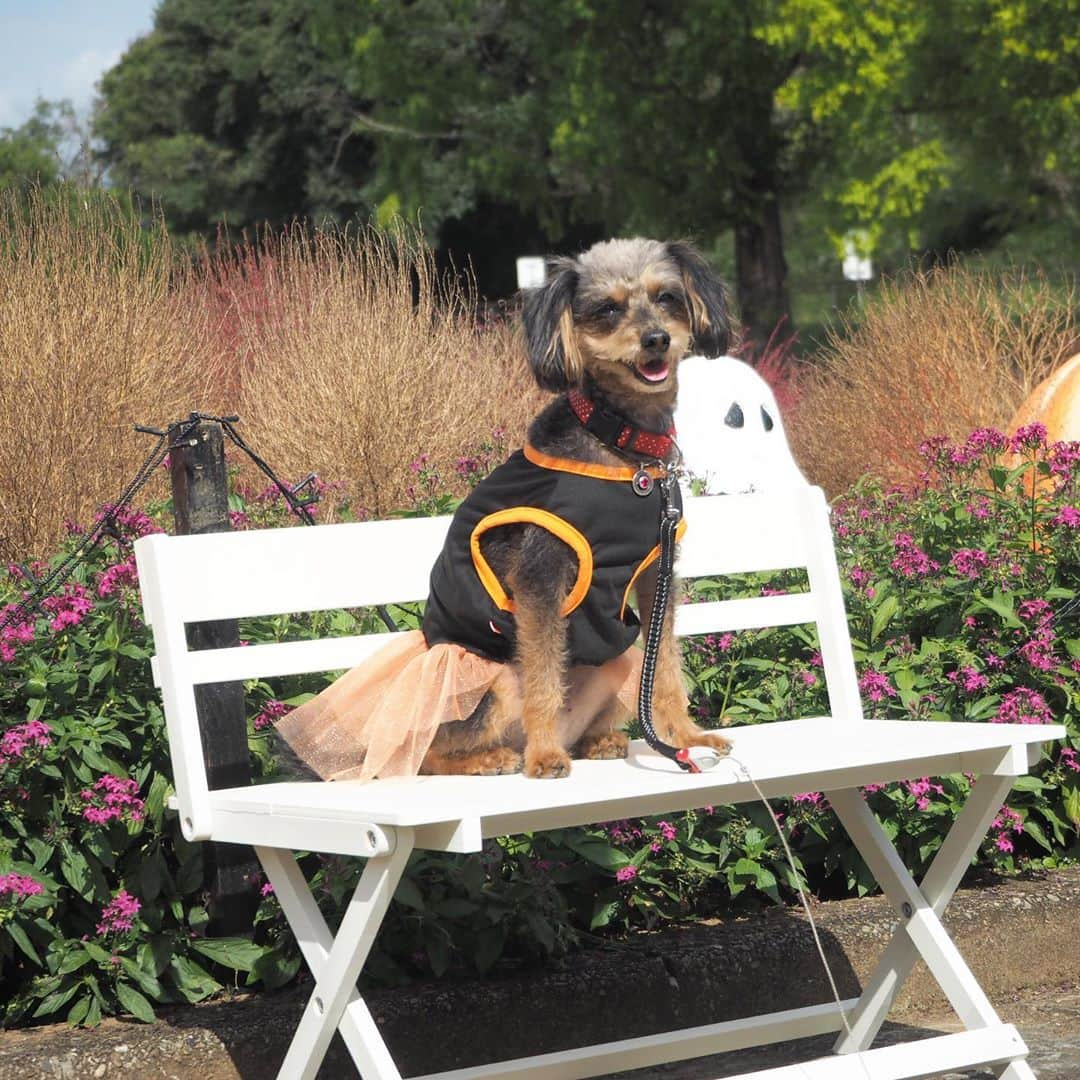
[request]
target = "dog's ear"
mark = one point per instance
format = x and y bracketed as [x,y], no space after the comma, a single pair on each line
[706,297]
[548,317]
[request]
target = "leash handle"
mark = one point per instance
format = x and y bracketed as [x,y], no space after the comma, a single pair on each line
[670,516]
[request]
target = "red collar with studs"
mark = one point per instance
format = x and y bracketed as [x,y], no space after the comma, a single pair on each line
[615,430]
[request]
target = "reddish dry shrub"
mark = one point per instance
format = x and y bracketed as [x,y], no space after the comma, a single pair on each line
[349,355]
[937,352]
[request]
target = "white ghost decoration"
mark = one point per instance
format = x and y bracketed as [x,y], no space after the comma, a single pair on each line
[730,430]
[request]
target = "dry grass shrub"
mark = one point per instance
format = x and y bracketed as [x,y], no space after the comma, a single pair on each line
[936,352]
[92,341]
[349,355]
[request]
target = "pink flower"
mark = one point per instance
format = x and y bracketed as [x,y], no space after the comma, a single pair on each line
[112,798]
[667,830]
[16,740]
[19,885]
[19,632]
[1022,706]
[969,562]
[266,890]
[69,608]
[625,874]
[271,711]
[921,790]
[1069,759]
[969,680]
[810,798]
[1068,517]
[808,678]
[119,914]
[130,522]
[911,560]
[875,685]
[1028,437]
[122,575]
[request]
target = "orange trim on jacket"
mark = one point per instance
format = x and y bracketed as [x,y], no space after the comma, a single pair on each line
[557,526]
[645,563]
[585,468]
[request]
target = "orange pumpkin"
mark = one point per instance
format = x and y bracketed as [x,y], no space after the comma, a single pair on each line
[1055,402]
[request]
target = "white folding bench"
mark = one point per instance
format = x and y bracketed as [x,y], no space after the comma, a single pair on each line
[235,575]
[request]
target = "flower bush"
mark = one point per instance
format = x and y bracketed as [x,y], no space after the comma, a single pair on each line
[962,594]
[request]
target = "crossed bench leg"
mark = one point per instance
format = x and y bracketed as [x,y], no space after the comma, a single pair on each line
[336,962]
[921,934]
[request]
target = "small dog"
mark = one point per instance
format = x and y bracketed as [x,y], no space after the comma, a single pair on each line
[606,332]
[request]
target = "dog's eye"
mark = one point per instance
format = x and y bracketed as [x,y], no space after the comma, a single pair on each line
[608,309]
[669,299]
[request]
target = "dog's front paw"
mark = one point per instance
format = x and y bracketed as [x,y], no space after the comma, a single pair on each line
[550,764]
[613,744]
[713,739]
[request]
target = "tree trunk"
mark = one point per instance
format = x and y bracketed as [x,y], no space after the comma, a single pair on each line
[761,272]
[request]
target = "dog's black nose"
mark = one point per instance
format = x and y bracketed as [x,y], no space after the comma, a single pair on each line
[655,340]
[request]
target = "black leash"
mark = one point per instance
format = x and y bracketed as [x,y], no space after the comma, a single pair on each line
[670,516]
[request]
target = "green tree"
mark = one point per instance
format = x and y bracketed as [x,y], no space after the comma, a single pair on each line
[709,117]
[39,151]
[946,125]
[233,113]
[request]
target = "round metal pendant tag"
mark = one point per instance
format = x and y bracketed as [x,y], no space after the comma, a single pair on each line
[642,482]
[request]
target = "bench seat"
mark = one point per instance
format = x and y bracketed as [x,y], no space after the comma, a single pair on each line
[456,813]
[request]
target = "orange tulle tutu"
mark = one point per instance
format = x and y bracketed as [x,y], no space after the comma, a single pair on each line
[380,718]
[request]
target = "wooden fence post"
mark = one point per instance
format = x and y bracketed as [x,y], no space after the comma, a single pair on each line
[201,505]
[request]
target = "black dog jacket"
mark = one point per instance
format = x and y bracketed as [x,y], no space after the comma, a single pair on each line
[594,509]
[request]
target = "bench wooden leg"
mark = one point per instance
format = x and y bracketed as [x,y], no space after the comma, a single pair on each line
[921,934]
[336,963]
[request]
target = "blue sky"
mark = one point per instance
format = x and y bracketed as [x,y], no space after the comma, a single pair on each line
[60,48]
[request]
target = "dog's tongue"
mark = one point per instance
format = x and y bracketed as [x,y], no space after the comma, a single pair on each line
[654,370]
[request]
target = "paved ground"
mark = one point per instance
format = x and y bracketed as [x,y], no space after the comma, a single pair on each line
[1048,1020]
[1015,935]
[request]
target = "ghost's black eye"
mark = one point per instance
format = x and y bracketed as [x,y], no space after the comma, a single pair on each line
[766,419]
[734,416]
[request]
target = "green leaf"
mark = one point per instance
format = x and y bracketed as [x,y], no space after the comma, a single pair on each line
[76,871]
[134,1003]
[55,1002]
[78,1011]
[1028,783]
[99,671]
[597,851]
[1071,803]
[488,947]
[274,970]
[409,894]
[22,939]
[237,953]
[192,981]
[72,961]
[1034,830]
[1002,606]
[883,615]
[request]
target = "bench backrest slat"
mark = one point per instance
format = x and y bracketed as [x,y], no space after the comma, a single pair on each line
[276,571]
